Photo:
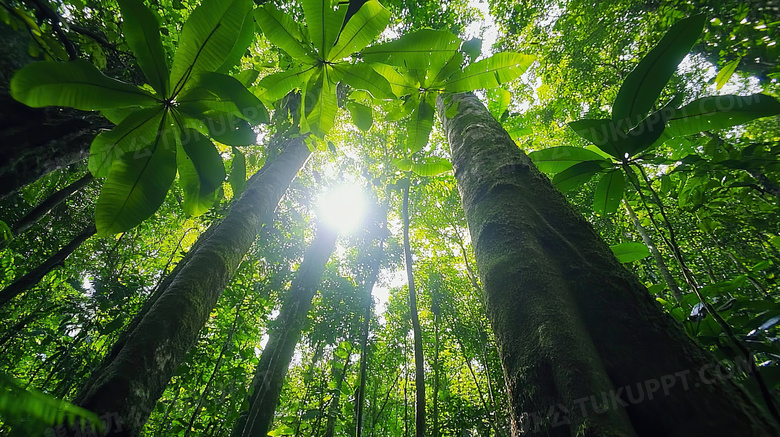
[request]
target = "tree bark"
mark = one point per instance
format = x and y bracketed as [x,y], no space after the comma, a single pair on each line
[284,335]
[130,384]
[583,346]
[419,363]
[33,277]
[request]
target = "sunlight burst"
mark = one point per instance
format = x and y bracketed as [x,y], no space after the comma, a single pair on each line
[342,208]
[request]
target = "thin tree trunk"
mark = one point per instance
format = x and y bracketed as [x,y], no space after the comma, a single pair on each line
[130,384]
[436,365]
[283,336]
[574,327]
[225,347]
[32,278]
[659,259]
[419,364]
[333,409]
[32,217]
[360,395]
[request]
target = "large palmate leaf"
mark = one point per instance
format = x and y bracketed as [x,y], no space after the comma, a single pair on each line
[201,172]
[557,159]
[142,33]
[76,84]
[643,85]
[369,21]
[136,131]
[489,73]
[424,49]
[578,174]
[363,77]
[628,252]
[324,23]
[282,31]
[210,39]
[719,112]
[223,94]
[137,184]
[419,127]
[609,192]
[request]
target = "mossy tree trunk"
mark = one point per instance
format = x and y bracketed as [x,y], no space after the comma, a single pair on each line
[585,350]
[130,382]
[282,338]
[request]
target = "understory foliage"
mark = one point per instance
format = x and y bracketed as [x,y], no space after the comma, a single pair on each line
[658,121]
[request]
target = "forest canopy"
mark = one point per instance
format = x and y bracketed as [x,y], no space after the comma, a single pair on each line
[320,218]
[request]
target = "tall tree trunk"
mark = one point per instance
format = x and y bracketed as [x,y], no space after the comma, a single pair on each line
[130,384]
[659,259]
[34,276]
[579,336]
[284,335]
[419,364]
[360,394]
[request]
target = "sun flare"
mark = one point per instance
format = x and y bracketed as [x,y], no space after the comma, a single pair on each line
[342,208]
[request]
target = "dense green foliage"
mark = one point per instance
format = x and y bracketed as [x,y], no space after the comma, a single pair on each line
[674,114]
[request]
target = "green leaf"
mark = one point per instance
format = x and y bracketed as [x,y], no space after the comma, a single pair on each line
[578,174]
[431,166]
[201,172]
[419,127]
[498,101]
[424,49]
[628,252]
[324,23]
[247,77]
[363,28]
[489,73]
[643,85]
[401,85]
[137,184]
[361,115]
[719,112]
[473,48]
[241,46]
[75,84]
[282,31]
[363,77]
[275,86]
[320,105]
[136,131]
[403,164]
[609,192]
[212,34]
[18,405]
[141,30]
[231,130]
[557,159]
[237,178]
[222,93]
[603,133]
[726,72]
